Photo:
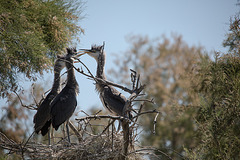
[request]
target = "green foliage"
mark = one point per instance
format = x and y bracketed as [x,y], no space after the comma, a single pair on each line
[233,37]
[218,84]
[32,32]
[218,117]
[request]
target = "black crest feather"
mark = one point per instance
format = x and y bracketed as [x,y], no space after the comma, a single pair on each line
[96,48]
[71,51]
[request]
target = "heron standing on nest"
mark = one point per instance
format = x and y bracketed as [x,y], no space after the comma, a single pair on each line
[42,119]
[111,99]
[64,104]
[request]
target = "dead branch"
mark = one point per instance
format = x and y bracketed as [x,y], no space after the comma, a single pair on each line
[102,116]
[140,151]
[155,122]
[23,105]
[75,131]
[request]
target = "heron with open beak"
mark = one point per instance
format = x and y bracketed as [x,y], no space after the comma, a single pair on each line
[112,100]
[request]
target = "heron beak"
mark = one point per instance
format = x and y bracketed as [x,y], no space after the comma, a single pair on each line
[79,55]
[86,50]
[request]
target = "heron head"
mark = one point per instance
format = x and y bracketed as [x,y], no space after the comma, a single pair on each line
[71,52]
[59,63]
[94,52]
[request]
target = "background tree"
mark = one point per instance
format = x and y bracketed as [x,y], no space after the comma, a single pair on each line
[218,84]
[32,32]
[164,65]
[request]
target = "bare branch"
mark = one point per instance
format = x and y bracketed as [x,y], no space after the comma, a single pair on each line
[155,122]
[23,105]
[102,116]
[34,98]
[146,112]
[71,125]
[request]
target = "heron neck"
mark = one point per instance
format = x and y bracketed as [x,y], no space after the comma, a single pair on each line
[56,83]
[71,80]
[100,67]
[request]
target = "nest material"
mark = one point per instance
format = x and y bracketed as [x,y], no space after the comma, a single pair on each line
[97,147]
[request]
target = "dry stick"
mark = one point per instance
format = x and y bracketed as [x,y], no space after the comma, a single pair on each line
[34,98]
[139,111]
[84,112]
[125,124]
[125,127]
[146,112]
[75,131]
[103,130]
[154,123]
[133,78]
[6,138]
[150,149]
[112,135]
[102,116]
[138,79]
[23,105]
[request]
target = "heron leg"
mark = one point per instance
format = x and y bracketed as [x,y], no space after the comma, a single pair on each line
[63,130]
[68,131]
[49,137]
[119,126]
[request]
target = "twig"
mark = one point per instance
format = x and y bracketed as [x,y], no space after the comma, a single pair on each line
[146,100]
[154,123]
[91,75]
[102,116]
[150,149]
[139,111]
[23,105]
[75,131]
[34,98]
[146,112]
[84,112]
[133,78]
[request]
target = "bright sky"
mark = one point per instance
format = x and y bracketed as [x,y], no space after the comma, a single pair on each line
[200,22]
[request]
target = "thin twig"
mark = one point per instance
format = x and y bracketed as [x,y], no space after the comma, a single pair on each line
[34,98]
[23,105]
[154,123]
[146,112]
[102,116]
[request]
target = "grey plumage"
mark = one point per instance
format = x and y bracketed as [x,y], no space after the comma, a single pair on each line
[42,119]
[64,104]
[111,99]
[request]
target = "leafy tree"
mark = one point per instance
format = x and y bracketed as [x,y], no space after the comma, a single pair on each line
[164,65]
[32,32]
[218,84]
[233,38]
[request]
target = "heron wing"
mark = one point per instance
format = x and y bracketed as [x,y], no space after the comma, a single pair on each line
[113,100]
[43,113]
[63,106]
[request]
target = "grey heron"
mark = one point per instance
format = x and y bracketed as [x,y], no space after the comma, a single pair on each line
[112,100]
[64,104]
[42,119]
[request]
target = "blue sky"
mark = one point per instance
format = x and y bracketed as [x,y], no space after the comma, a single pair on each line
[200,22]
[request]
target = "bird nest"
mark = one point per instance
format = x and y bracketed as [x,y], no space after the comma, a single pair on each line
[108,143]
[92,147]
